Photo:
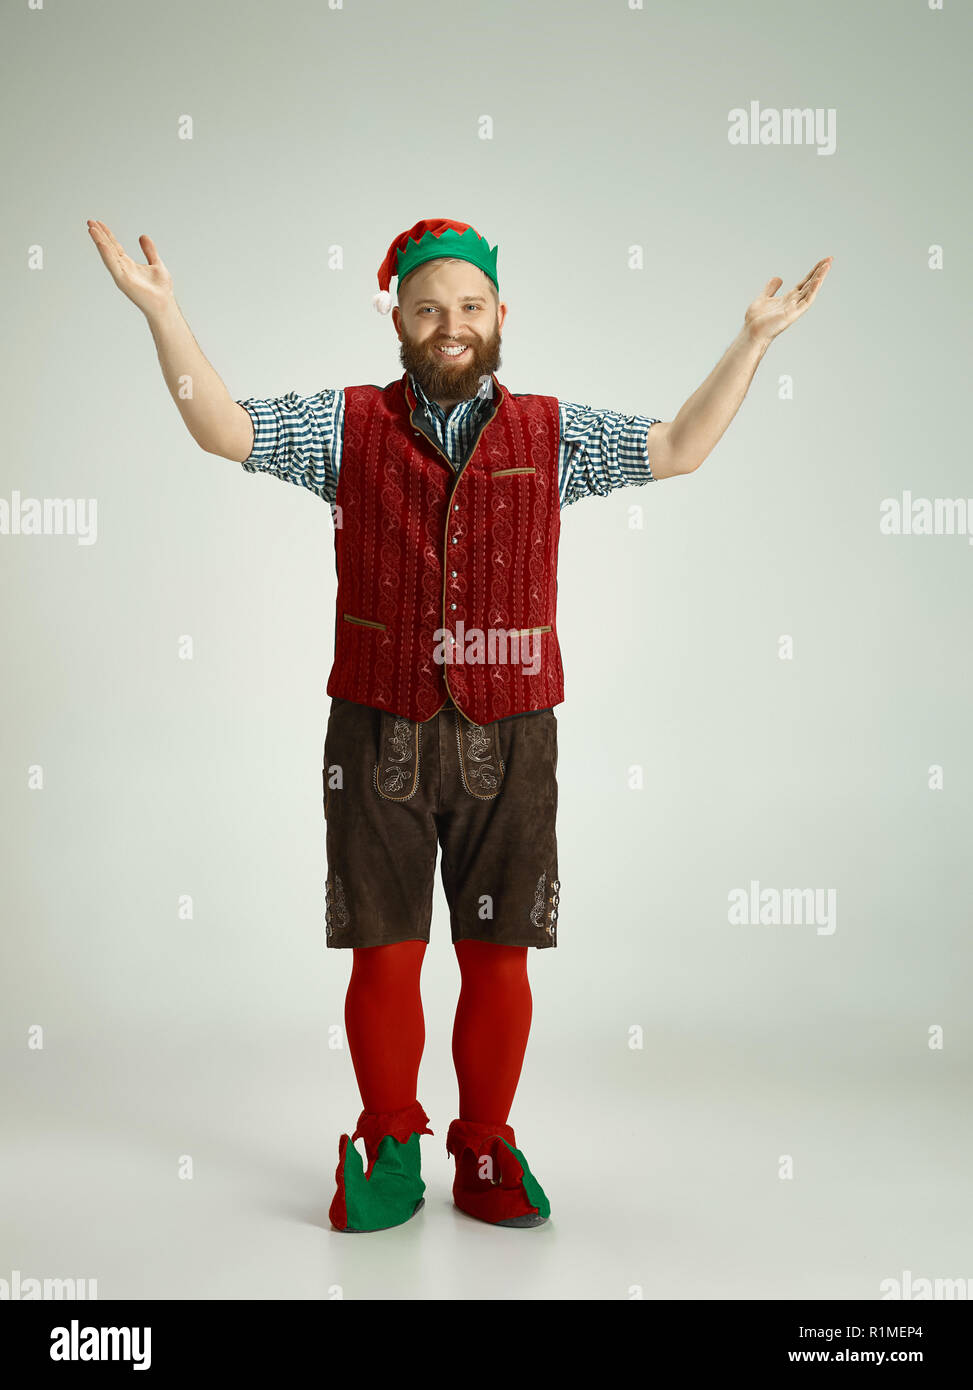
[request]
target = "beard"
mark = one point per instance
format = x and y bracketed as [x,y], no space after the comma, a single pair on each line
[445,381]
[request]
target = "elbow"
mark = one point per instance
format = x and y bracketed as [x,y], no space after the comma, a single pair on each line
[666,458]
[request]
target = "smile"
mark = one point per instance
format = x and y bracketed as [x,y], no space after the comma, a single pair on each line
[453,351]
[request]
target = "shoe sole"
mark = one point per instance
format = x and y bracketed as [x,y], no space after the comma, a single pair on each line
[357,1231]
[529,1220]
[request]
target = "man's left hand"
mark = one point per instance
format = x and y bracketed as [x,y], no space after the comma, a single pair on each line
[767,316]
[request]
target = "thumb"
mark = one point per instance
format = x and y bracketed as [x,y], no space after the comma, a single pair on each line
[151,254]
[772,286]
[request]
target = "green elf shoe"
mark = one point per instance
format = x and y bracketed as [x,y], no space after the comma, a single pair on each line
[493,1180]
[390,1192]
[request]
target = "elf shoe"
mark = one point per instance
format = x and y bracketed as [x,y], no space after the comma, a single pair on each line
[502,1191]
[390,1192]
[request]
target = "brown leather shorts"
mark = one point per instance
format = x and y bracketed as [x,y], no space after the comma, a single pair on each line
[395,791]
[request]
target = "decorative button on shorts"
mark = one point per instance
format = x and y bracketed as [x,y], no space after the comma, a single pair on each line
[396,791]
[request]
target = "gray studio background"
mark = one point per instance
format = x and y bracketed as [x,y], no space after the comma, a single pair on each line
[220,1037]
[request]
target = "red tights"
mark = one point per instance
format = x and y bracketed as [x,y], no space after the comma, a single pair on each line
[386,1029]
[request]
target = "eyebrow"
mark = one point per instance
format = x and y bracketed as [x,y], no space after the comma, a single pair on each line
[462,299]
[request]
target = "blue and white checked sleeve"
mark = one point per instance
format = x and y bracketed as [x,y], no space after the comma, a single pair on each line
[298,439]
[601,450]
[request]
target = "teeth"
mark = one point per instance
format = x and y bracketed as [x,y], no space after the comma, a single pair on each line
[453,351]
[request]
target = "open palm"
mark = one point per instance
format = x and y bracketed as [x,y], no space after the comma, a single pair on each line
[767,316]
[150,285]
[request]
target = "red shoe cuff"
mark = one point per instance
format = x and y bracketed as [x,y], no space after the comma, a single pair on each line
[373,1126]
[468,1134]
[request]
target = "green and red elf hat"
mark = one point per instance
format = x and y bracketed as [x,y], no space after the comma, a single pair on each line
[429,241]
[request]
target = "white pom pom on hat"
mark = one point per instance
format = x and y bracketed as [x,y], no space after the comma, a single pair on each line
[382,301]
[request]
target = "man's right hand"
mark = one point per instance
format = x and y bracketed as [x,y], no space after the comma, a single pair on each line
[217,422]
[148,286]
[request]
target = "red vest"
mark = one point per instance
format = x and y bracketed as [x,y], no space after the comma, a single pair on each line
[423,550]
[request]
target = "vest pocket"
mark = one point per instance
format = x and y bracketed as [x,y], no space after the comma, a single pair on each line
[523,631]
[505,472]
[365,622]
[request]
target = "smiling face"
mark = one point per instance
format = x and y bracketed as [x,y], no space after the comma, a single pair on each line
[443,306]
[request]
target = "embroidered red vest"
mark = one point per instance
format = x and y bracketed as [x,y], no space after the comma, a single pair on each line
[447,580]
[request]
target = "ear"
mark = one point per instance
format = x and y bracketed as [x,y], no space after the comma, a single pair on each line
[397,319]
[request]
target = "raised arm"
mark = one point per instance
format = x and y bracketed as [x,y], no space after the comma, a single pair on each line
[683,443]
[214,419]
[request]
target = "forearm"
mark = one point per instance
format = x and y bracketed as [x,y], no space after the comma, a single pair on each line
[701,422]
[210,413]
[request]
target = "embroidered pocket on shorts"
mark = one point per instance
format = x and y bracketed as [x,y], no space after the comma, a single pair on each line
[396,775]
[480,760]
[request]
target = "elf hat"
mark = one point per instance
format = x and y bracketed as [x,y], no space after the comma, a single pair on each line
[428,241]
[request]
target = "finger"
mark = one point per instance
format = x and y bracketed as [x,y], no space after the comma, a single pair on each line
[772,286]
[113,248]
[151,254]
[125,261]
[111,239]
[105,248]
[807,297]
[814,284]
[814,271]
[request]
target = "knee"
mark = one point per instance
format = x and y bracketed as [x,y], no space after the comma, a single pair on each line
[402,959]
[486,958]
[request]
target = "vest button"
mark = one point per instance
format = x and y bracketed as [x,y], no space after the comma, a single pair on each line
[453,573]
[452,605]
[455,506]
[455,542]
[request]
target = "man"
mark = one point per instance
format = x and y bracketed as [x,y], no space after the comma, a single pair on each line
[446,491]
